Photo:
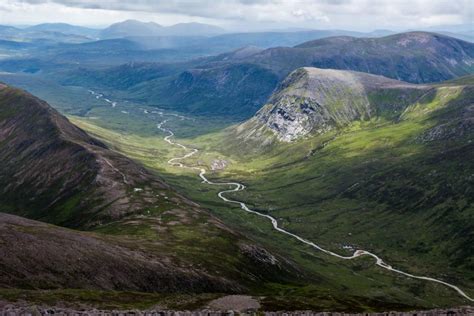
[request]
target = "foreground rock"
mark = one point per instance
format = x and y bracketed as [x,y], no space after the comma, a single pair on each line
[11,310]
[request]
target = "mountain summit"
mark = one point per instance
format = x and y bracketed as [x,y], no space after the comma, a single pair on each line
[130,28]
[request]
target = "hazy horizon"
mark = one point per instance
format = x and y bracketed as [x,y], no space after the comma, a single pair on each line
[247,15]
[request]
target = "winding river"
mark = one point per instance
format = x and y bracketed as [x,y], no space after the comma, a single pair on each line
[239,187]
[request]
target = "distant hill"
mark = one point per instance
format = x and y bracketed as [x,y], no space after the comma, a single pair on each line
[238,83]
[203,86]
[44,33]
[415,57]
[65,29]
[130,28]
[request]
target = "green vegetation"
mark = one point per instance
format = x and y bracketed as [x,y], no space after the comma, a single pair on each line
[398,184]
[376,185]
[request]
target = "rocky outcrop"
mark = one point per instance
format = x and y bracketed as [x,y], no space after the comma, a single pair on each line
[449,131]
[312,100]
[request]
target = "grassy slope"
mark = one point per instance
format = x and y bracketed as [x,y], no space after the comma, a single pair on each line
[377,186]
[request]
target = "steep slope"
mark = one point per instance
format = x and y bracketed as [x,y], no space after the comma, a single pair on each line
[146,237]
[233,91]
[416,57]
[36,255]
[55,172]
[312,100]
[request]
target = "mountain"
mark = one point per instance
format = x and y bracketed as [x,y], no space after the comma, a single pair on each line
[415,57]
[227,42]
[102,53]
[130,28]
[204,40]
[47,55]
[6,30]
[65,29]
[229,91]
[462,31]
[237,83]
[312,100]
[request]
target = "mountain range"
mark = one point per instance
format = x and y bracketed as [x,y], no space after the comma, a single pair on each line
[205,86]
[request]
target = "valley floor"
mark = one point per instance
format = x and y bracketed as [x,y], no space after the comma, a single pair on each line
[146,148]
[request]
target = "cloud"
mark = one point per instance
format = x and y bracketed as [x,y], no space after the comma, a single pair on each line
[358,14]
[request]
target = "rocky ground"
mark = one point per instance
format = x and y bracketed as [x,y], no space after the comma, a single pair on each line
[12,310]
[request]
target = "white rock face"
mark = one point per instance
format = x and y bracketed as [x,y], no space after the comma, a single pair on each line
[219,164]
[314,100]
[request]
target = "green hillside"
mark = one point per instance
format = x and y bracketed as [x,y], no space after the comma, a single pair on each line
[395,182]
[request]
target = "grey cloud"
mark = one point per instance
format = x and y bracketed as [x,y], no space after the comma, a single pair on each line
[282,10]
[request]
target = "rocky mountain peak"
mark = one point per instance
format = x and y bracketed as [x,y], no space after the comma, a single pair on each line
[318,100]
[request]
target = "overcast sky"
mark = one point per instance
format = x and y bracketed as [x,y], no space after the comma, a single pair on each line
[246,14]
